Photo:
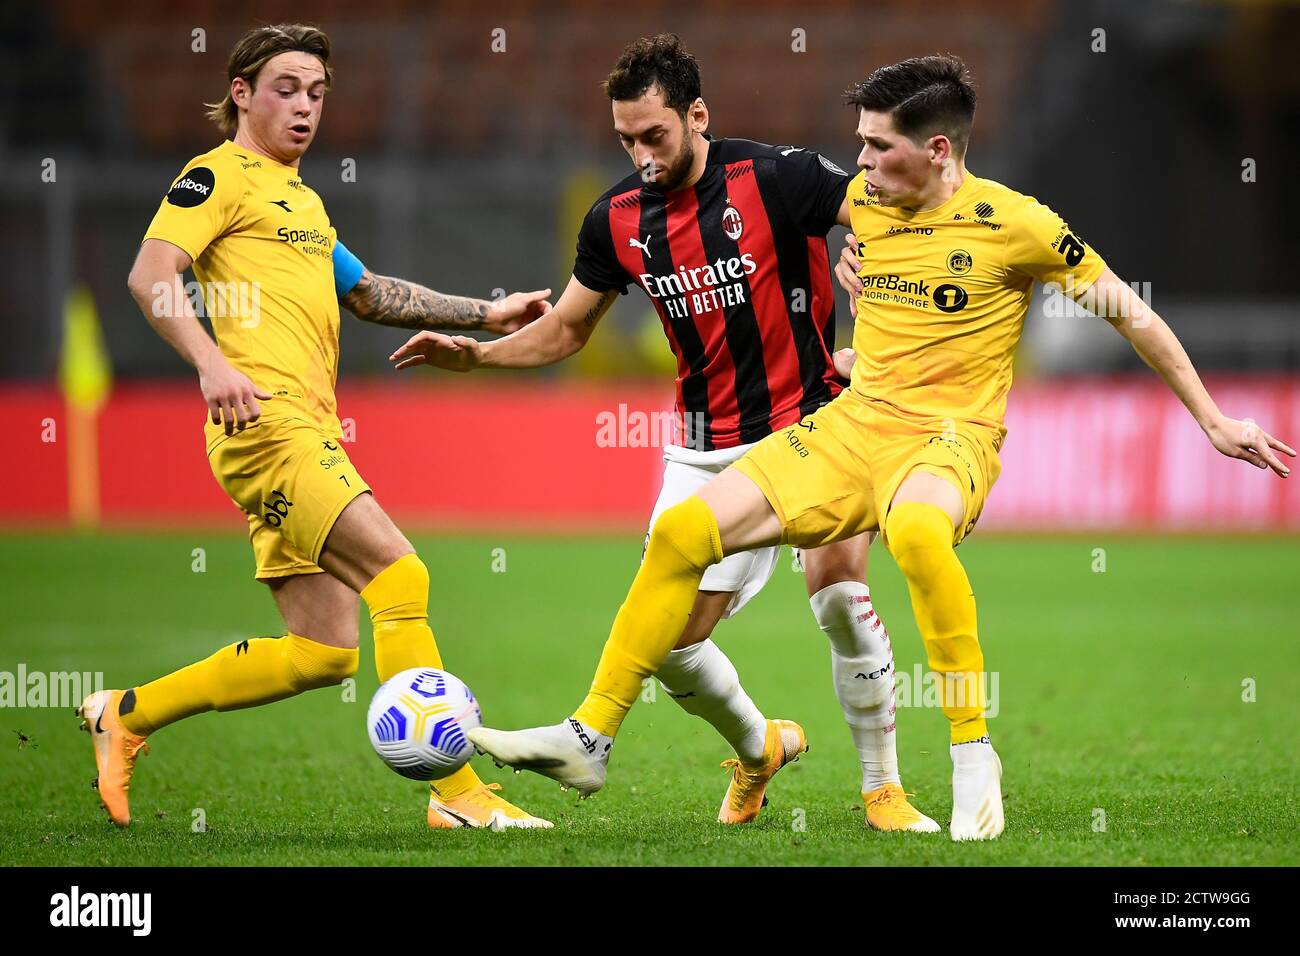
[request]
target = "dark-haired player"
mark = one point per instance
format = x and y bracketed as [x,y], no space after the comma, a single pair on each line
[948,262]
[242,216]
[728,239]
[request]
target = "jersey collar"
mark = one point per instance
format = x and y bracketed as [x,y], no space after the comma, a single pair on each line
[231,147]
[941,211]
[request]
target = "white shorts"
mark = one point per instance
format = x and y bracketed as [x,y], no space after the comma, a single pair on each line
[685,472]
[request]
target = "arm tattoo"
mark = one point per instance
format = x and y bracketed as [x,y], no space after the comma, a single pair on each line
[596,311]
[408,305]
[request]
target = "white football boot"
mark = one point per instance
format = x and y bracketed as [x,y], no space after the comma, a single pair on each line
[569,752]
[976,792]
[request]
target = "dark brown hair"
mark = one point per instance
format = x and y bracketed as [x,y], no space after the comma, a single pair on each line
[657,61]
[925,95]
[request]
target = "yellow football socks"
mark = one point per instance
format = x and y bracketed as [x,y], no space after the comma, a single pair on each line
[398,599]
[256,671]
[920,538]
[683,543]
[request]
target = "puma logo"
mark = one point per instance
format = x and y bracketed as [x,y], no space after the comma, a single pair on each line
[643,246]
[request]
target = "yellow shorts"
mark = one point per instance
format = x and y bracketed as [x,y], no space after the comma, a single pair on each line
[834,474]
[293,479]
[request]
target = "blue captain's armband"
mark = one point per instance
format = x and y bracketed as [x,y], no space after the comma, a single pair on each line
[347,269]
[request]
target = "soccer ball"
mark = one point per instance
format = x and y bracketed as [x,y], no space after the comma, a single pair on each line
[418,722]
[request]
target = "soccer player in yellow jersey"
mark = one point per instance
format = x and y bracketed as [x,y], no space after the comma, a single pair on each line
[948,262]
[273,272]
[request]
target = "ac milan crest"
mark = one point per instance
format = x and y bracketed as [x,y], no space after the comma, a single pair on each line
[732,224]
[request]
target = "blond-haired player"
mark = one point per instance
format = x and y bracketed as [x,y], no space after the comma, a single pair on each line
[911,448]
[259,239]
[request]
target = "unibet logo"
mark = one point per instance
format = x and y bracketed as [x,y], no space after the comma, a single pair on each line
[193,188]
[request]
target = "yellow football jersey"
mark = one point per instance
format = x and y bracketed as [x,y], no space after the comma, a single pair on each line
[263,248]
[945,296]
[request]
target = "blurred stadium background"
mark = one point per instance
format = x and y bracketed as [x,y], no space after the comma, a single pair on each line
[1166,139]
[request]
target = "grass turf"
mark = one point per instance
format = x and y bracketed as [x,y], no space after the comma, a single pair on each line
[1118,691]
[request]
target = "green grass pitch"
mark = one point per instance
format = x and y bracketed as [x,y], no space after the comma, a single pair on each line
[1120,692]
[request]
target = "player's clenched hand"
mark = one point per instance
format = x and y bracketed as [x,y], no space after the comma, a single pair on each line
[843,361]
[515,311]
[230,396]
[456,353]
[846,272]
[1247,441]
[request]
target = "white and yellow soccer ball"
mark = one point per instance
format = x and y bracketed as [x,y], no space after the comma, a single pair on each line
[419,723]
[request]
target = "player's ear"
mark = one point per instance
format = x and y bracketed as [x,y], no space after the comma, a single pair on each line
[240,92]
[699,116]
[940,149]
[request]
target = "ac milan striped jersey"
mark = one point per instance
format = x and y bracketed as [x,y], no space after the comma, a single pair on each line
[737,268]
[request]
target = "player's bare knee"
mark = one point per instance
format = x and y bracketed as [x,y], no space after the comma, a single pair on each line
[363,542]
[836,563]
[334,624]
[822,570]
[341,634]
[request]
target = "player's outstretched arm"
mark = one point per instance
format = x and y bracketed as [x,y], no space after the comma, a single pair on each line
[158,288]
[552,338]
[385,300]
[1156,343]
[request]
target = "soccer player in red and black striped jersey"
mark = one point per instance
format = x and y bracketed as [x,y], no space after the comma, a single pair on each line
[728,239]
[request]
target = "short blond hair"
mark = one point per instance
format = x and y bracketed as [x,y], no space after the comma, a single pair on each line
[254,50]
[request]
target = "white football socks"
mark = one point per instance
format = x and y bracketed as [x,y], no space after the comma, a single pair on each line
[862,664]
[704,682]
[591,740]
[973,755]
